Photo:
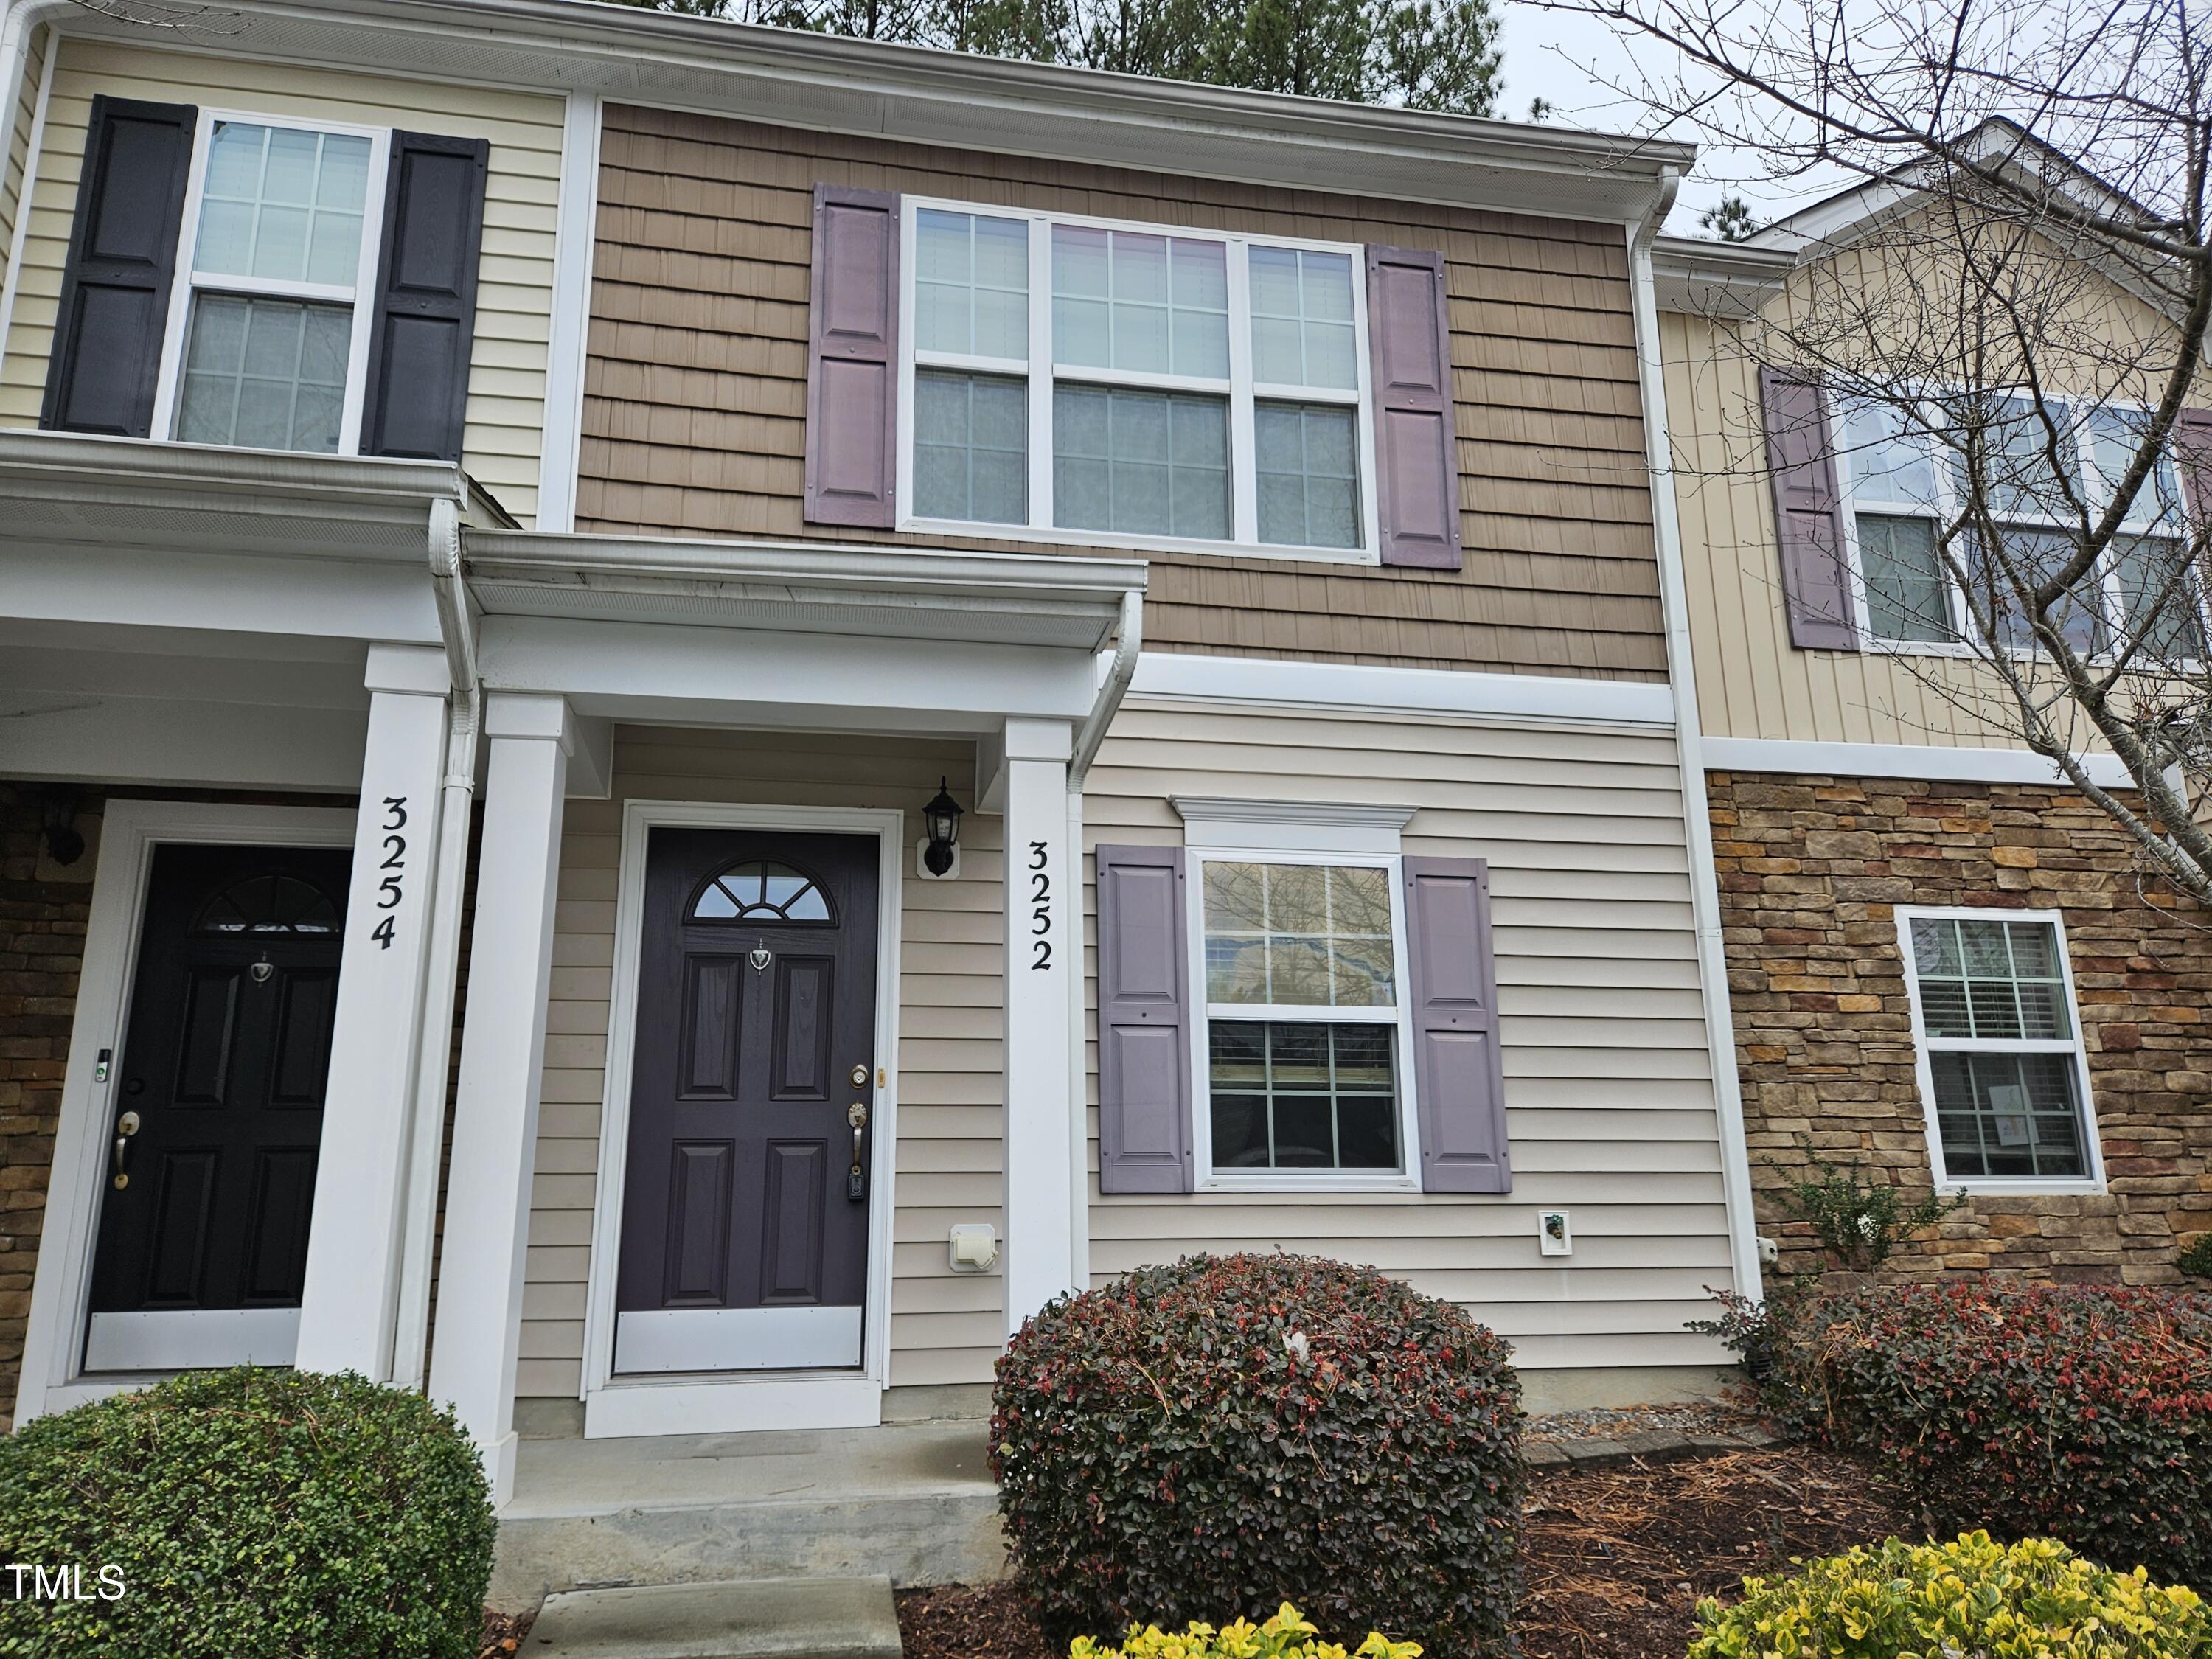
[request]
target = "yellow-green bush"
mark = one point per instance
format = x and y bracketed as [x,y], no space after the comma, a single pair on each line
[1286,1636]
[2036,1599]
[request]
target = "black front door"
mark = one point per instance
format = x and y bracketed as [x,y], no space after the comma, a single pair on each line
[217,1109]
[745,1238]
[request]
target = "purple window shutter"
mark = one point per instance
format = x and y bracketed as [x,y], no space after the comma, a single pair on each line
[852,364]
[2191,444]
[1801,458]
[1143,1022]
[1416,433]
[1459,1078]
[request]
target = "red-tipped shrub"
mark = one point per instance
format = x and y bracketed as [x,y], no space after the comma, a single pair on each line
[2076,1411]
[1224,1435]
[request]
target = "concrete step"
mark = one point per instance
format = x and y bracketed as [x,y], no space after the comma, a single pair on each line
[912,1503]
[765,1619]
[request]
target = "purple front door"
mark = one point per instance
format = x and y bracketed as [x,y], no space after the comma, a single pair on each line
[745,1237]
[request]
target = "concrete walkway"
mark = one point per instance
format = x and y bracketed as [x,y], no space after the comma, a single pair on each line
[911,1503]
[770,1619]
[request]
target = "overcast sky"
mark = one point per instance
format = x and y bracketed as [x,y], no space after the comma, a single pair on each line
[1578,62]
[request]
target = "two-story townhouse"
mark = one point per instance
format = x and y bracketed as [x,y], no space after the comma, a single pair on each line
[1946,965]
[1005,672]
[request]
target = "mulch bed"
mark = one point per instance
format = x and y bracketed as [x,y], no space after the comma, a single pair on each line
[503,1633]
[1616,1558]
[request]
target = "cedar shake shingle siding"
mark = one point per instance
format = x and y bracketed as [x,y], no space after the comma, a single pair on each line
[695,396]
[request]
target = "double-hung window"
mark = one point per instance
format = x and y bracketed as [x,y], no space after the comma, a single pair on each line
[1083,380]
[2003,1073]
[1902,487]
[1302,1055]
[268,337]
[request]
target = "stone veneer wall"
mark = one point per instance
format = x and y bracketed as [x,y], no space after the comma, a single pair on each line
[1808,868]
[43,909]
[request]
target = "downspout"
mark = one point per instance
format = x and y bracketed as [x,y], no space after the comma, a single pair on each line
[1088,737]
[457,796]
[19,23]
[1689,746]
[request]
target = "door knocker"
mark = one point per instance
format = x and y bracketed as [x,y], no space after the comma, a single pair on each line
[260,972]
[759,958]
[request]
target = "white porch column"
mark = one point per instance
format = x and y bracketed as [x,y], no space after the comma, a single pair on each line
[1044,911]
[479,1315]
[346,1309]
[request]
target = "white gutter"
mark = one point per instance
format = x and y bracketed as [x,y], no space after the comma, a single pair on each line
[1689,746]
[457,795]
[18,24]
[1092,733]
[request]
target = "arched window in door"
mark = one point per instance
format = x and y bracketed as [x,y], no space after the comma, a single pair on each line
[268,904]
[761,890]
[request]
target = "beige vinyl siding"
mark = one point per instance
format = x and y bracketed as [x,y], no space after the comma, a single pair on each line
[1752,683]
[945,1327]
[1609,1101]
[695,393]
[24,117]
[515,294]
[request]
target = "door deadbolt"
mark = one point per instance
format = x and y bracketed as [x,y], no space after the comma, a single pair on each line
[860,1076]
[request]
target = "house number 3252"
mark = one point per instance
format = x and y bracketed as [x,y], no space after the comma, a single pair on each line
[1040,910]
[393,888]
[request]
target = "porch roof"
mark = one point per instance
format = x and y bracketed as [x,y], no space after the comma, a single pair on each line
[920,593]
[63,488]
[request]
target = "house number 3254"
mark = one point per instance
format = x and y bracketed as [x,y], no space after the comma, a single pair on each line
[1040,910]
[393,888]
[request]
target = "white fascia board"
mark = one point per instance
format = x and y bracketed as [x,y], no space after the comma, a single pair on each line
[1927,762]
[657,672]
[1718,279]
[794,78]
[179,742]
[1539,699]
[132,588]
[898,592]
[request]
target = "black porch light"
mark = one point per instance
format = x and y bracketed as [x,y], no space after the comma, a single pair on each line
[941,818]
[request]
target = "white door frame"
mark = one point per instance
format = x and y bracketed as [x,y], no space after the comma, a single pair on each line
[130,831]
[615,1407]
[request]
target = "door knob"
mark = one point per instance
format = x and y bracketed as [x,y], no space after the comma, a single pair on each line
[125,1127]
[856,1179]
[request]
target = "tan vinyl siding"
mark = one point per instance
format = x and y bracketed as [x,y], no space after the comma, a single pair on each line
[944,1327]
[514,294]
[695,393]
[1609,1101]
[23,117]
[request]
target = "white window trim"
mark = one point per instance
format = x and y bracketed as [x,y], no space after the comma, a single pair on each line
[1946,507]
[1206,1179]
[362,296]
[1240,388]
[1924,1070]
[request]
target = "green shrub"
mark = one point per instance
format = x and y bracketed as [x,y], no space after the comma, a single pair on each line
[1210,1438]
[1286,1636]
[252,1514]
[2034,1601]
[2080,1412]
[2196,1260]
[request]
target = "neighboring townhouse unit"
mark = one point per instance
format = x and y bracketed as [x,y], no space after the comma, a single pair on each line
[1004,673]
[1946,965]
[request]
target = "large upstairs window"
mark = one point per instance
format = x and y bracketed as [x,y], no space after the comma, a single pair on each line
[2031,467]
[1081,379]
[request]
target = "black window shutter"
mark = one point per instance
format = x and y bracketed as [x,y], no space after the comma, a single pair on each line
[425,298]
[106,357]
